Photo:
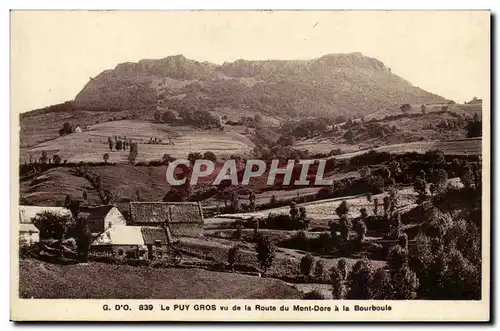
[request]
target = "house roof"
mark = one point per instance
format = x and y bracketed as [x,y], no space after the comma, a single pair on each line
[94,213]
[160,212]
[153,234]
[120,235]
[27,213]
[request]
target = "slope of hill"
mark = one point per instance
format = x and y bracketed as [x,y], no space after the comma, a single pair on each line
[333,84]
[92,144]
[103,281]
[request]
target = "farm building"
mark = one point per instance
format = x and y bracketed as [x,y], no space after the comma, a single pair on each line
[156,240]
[100,218]
[28,232]
[183,219]
[78,129]
[120,241]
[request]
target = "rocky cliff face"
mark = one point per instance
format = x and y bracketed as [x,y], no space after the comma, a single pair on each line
[351,84]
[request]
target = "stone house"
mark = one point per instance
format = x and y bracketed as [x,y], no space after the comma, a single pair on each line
[181,219]
[100,218]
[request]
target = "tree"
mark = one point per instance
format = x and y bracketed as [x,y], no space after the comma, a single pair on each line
[166,159]
[138,195]
[66,129]
[364,172]
[107,197]
[420,187]
[380,286]
[265,252]
[51,225]
[360,229]
[83,239]
[233,256]
[119,145]
[273,201]
[319,270]
[303,220]
[359,280]
[439,181]
[423,109]
[168,116]
[306,264]
[342,266]
[67,201]
[56,159]
[176,194]
[349,136]
[337,281]
[405,108]
[44,158]
[375,206]
[133,153]
[208,155]
[105,157]
[342,209]
[344,227]
[193,156]
[84,195]
[474,127]
[157,115]
[404,282]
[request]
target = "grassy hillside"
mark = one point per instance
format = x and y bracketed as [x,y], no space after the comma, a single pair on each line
[90,145]
[103,281]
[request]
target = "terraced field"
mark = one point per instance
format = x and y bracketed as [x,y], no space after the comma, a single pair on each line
[90,145]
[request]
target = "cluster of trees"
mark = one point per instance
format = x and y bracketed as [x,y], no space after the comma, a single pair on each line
[66,129]
[167,116]
[95,181]
[296,219]
[65,230]
[474,127]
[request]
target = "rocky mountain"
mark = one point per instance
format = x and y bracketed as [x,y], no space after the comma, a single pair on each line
[335,84]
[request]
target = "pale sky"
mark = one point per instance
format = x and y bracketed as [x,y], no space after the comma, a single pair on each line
[53,54]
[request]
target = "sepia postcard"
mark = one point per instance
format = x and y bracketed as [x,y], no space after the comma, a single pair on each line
[318,166]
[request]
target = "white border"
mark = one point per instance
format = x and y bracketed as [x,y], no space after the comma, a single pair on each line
[147,4]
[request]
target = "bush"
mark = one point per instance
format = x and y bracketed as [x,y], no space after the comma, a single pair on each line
[313,295]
